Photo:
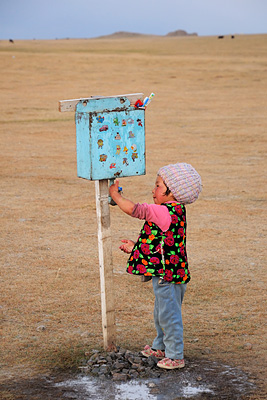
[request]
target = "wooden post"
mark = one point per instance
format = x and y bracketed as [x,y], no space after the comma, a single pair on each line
[105,263]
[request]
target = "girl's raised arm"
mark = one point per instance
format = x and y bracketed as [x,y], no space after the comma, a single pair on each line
[125,205]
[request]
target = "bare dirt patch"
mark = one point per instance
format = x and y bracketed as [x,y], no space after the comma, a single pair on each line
[209,110]
[205,380]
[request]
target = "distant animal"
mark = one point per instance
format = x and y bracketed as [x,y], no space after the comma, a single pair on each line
[11,40]
[220,37]
[232,37]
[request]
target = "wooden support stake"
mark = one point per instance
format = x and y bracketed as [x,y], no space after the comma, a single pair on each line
[105,263]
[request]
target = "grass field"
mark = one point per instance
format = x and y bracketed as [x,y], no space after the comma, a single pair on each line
[209,110]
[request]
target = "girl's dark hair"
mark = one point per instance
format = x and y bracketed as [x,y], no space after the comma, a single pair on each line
[167,191]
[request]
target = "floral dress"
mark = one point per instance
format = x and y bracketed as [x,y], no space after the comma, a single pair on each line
[158,253]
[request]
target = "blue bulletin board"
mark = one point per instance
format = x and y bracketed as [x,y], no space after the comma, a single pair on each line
[110,134]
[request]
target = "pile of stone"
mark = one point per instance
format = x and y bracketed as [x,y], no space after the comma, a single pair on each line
[121,365]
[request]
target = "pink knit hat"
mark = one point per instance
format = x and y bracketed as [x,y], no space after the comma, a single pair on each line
[183,181]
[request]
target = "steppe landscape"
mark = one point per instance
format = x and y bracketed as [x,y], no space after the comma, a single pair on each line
[210,110]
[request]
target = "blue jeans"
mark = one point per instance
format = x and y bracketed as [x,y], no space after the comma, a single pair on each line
[168,318]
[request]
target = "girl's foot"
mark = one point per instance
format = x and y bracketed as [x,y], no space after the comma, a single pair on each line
[148,351]
[168,363]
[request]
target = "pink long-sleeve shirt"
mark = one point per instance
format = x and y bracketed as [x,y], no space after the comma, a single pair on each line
[156,213]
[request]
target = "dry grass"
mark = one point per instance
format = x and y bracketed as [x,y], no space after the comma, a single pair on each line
[209,110]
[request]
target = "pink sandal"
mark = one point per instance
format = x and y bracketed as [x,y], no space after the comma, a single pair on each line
[167,363]
[148,351]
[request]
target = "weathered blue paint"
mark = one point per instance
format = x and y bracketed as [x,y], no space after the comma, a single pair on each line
[110,137]
[82,144]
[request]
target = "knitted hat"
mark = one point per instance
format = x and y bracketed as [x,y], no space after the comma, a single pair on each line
[183,181]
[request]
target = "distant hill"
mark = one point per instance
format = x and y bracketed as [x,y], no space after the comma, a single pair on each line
[180,32]
[123,34]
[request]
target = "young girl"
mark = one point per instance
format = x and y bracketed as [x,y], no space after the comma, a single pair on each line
[160,254]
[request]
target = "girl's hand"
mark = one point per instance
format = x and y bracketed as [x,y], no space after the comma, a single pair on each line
[125,205]
[127,245]
[114,189]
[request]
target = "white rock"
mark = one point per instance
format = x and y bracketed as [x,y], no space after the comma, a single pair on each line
[247,346]
[41,328]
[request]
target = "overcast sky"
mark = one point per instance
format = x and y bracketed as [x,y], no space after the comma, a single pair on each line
[51,19]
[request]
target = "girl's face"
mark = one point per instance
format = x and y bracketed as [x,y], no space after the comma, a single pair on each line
[159,190]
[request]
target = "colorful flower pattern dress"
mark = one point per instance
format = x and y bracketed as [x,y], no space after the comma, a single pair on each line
[158,253]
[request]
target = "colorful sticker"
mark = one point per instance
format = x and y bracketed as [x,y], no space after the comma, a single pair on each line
[100,143]
[125,161]
[134,156]
[100,119]
[116,121]
[118,149]
[113,165]
[103,128]
[131,134]
[124,123]
[134,147]
[138,104]
[125,150]
[130,121]
[118,136]
[117,174]
[103,157]
[139,122]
